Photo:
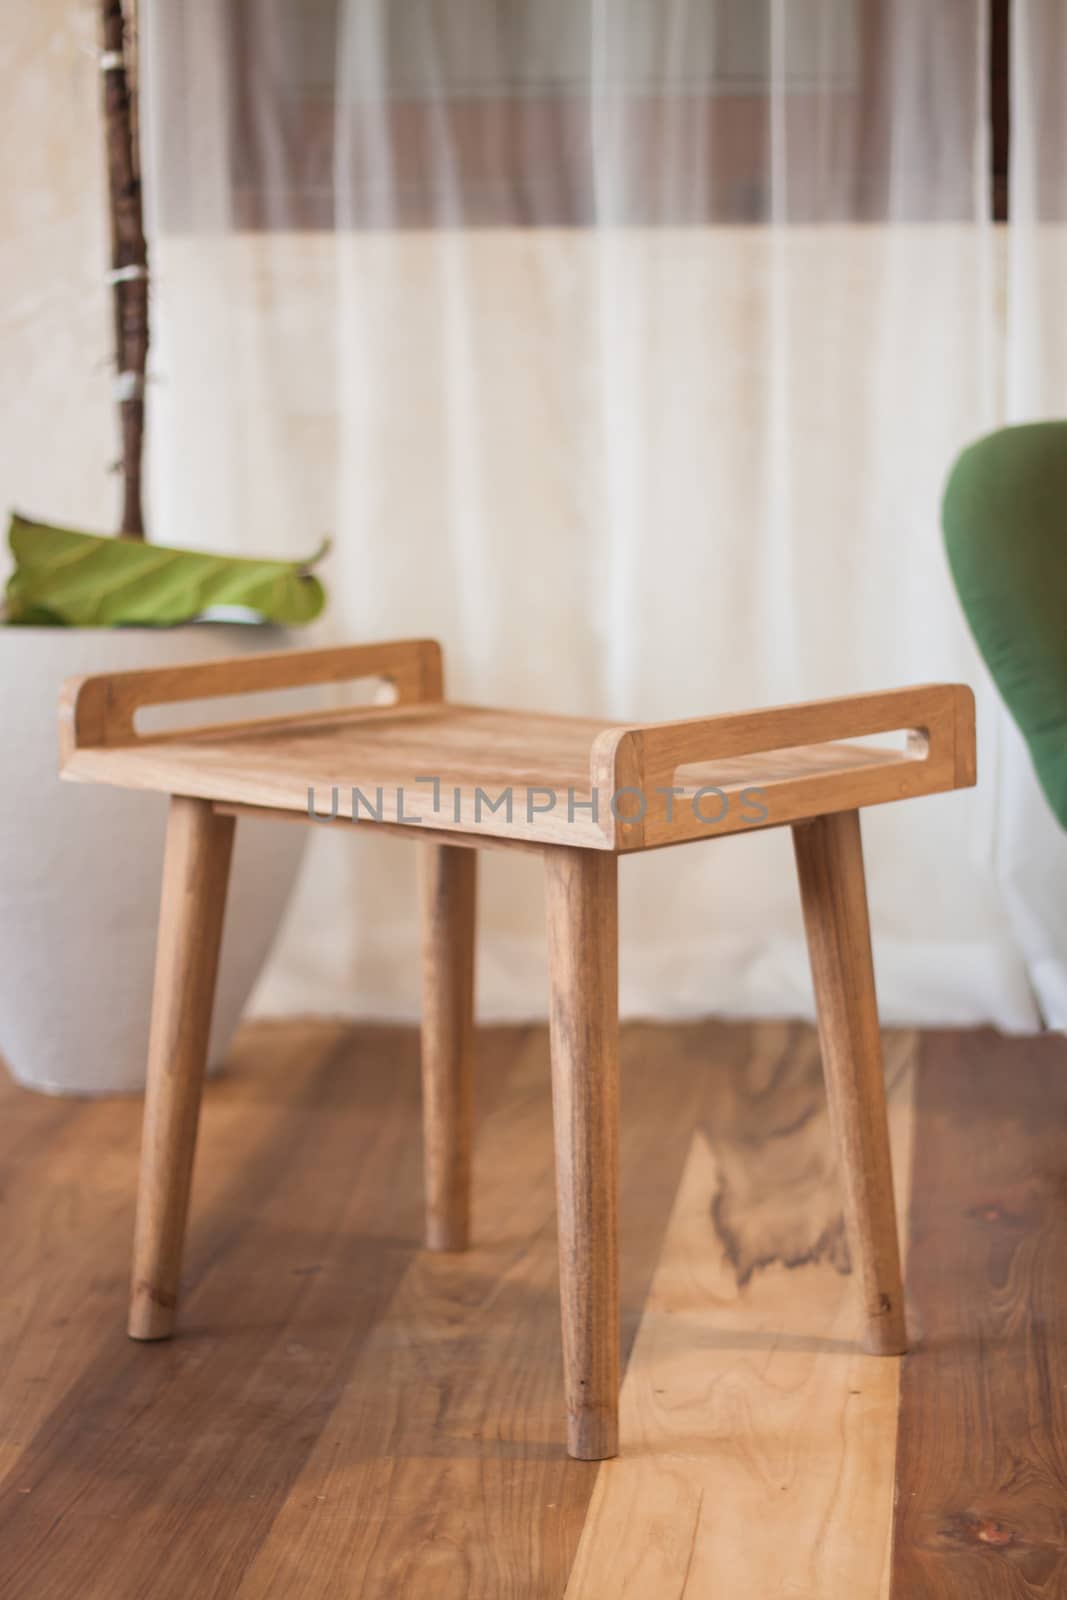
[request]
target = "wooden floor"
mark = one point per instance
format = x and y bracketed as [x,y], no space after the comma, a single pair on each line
[344,1415]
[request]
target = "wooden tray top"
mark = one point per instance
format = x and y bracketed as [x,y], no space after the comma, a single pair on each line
[510,777]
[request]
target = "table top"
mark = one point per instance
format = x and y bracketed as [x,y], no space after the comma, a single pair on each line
[517,777]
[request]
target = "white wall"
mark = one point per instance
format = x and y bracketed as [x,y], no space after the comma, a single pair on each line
[57,432]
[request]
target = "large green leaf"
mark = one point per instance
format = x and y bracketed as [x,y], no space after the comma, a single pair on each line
[80,580]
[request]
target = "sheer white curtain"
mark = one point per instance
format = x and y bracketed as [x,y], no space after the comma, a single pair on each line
[624,345]
[1032,854]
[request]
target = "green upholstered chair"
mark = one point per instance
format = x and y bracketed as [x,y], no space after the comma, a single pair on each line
[1005,523]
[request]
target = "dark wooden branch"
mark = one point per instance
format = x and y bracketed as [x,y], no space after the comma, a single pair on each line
[128,250]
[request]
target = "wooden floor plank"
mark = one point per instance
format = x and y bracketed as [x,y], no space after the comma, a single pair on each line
[170,1458]
[449,1426]
[982,1452]
[67,1195]
[446,1475]
[758,1436]
[323,1353]
[312,1322]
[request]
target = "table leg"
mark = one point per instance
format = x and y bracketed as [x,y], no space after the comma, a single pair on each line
[582,903]
[447,892]
[833,889]
[195,876]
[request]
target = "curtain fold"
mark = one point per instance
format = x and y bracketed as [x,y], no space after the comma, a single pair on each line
[1032,848]
[625,346]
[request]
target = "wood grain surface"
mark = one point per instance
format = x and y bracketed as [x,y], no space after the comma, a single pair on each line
[758,1436]
[513,775]
[833,891]
[982,1474]
[196,871]
[345,1414]
[323,1352]
[448,883]
[582,904]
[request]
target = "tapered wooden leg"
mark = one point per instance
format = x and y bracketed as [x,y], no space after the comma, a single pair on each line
[447,889]
[195,874]
[582,902]
[833,889]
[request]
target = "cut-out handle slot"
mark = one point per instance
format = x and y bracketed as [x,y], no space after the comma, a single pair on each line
[820,755]
[156,721]
[103,710]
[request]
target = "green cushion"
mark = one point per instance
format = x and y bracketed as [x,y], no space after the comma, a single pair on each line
[1005,522]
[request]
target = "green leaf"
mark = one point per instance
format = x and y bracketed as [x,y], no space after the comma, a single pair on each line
[80,580]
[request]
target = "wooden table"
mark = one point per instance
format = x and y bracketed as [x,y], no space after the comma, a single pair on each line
[581,793]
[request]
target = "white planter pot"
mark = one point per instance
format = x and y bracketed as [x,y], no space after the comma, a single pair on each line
[80,871]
